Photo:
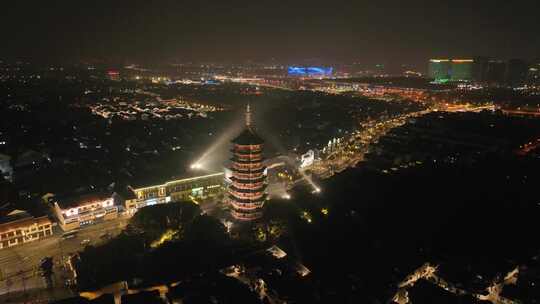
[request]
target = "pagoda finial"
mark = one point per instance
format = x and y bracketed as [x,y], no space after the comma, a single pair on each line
[248,115]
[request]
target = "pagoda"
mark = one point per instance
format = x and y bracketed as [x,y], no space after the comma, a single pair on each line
[248,180]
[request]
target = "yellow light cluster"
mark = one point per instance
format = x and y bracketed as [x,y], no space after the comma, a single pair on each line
[166,236]
[180,181]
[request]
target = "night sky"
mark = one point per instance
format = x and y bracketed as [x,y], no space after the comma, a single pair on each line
[365,31]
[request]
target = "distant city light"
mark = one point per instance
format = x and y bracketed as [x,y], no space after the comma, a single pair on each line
[306,216]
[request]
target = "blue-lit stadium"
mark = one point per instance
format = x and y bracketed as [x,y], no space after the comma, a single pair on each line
[309,71]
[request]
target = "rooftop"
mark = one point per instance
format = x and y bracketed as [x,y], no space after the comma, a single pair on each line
[18,218]
[78,199]
[14,215]
[248,137]
[142,184]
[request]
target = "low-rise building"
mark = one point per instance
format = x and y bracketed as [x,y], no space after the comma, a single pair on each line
[78,210]
[19,227]
[176,190]
[123,197]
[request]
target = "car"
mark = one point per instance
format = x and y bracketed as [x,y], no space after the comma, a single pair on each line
[85,242]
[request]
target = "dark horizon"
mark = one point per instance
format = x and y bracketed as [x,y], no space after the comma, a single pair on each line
[369,33]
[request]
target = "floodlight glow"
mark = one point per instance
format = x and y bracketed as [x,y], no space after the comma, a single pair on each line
[286,196]
[208,157]
[196,166]
[305,177]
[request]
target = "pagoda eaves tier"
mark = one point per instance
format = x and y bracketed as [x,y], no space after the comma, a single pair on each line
[247,191]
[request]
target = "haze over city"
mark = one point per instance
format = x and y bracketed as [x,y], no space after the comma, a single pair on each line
[236,31]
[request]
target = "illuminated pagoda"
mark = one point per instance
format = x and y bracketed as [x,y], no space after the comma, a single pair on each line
[248,180]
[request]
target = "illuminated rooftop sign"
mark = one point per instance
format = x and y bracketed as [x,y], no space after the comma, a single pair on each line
[439,60]
[451,60]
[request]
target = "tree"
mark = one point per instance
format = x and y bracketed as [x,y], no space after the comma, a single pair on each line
[154,221]
[113,261]
[206,229]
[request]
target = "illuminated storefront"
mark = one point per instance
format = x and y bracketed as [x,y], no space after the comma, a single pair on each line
[176,190]
[76,211]
[19,227]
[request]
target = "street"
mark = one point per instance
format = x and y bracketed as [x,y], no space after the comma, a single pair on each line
[19,265]
[351,149]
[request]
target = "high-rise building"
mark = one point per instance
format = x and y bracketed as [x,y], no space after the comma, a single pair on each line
[480,68]
[495,72]
[533,75]
[439,70]
[461,69]
[248,180]
[443,70]
[516,72]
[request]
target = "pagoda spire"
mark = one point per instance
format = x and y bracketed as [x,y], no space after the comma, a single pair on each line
[248,115]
